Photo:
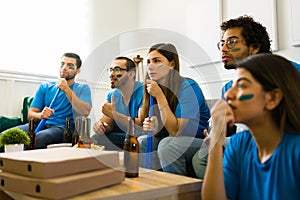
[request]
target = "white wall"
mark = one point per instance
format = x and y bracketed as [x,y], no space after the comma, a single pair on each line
[110,20]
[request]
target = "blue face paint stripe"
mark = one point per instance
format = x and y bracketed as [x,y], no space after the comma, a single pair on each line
[246,97]
[235,50]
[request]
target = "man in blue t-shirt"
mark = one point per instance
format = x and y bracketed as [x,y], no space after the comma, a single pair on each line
[72,100]
[127,95]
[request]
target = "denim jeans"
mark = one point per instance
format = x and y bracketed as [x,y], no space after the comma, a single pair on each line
[176,153]
[155,164]
[111,141]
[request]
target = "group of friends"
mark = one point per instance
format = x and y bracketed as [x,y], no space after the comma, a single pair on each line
[260,161]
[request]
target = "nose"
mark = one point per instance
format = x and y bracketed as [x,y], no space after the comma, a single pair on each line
[65,67]
[150,66]
[224,48]
[230,94]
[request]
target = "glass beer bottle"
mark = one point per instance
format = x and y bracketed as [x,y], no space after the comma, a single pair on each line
[67,133]
[131,151]
[75,136]
[84,136]
[31,134]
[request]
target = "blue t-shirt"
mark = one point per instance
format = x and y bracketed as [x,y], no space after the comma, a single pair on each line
[62,106]
[247,178]
[192,106]
[132,108]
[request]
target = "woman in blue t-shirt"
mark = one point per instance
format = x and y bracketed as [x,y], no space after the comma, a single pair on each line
[263,162]
[179,105]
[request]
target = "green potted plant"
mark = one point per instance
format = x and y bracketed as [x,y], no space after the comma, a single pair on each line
[14,139]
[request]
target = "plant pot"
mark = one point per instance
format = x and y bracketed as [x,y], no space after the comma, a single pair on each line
[13,147]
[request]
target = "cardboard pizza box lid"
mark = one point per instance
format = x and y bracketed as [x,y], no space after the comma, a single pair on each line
[50,163]
[61,187]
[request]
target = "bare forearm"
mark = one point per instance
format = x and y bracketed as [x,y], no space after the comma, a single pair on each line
[34,115]
[80,107]
[171,123]
[213,185]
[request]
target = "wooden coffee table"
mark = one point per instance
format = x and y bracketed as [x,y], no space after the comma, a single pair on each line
[149,185]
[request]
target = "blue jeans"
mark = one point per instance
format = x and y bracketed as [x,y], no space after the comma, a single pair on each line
[111,141]
[49,135]
[176,154]
[142,150]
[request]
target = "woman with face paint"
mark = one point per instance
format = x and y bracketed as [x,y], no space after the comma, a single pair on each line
[179,107]
[263,162]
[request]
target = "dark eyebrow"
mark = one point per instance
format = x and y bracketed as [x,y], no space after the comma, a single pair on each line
[243,79]
[231,37]
[155,58]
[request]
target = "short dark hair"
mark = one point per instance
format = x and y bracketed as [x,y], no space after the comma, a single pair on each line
[253,32]
[77,58]
[130,65]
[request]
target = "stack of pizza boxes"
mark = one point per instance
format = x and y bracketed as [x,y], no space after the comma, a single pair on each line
[59,172]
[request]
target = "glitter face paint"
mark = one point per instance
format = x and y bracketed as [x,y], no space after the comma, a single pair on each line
[235,50]
[246,97]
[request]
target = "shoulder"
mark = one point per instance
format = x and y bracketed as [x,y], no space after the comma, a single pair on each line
[81,85]
[292,141]
[138,86]
[226,87]
[47,85]
[240,138]
[296,65]
[188,82]
[114,92]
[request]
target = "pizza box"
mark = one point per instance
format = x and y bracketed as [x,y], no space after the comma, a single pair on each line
[55,162]
[61,187]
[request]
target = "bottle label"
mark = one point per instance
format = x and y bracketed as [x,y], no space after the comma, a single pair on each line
[131,164]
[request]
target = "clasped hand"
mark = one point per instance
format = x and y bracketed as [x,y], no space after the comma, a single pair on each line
[46,113]
[221,114]
[150,124]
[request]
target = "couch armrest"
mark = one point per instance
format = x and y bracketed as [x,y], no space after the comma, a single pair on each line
[25,108]
[9,122]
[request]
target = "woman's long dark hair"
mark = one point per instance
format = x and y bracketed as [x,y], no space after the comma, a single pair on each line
[171,87]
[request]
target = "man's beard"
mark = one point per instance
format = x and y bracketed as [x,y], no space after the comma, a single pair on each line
[230,66]
[69,77]
[120,82]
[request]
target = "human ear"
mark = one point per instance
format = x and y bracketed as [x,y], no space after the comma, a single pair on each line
[78,71]
[131,74]
[172,64]
[254,49]
[273,99]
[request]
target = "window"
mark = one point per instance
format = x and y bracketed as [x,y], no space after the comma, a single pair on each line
[34,34]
